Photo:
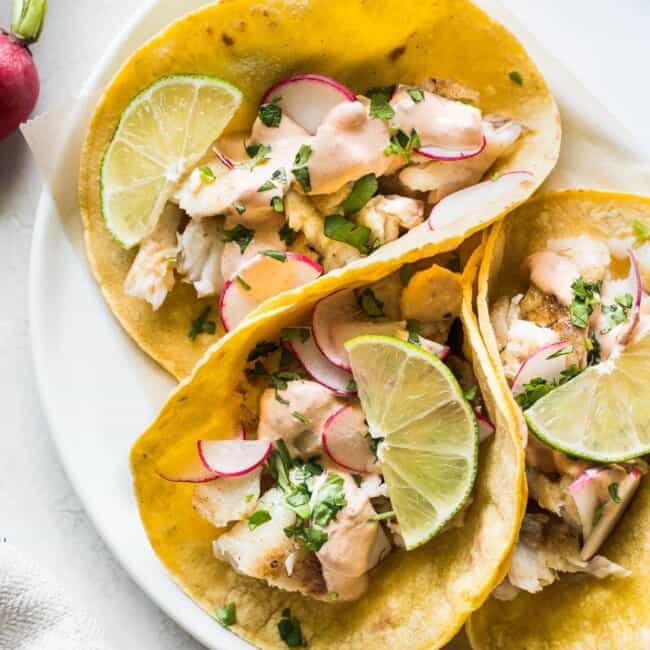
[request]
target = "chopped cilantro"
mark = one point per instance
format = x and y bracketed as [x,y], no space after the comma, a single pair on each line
[329,500]
[413,328]
[279,381]
[533,391]
[593,350]
[351,385]
[402,144]
[598,515]
[287,358]
[641,230]
[290,631]
[279,175]
[241,235]
[363,190]
[275,255]
[567,349]
[568,374]
[370,304]
[227,615]
[515,77]
[585,296]
[249,498]
[266,186]
[201,324]
[242,283]
[301,174]
[300,417]
[206,174]
[277,204]
[270,114]
[470,393]
[380,109]
[303,155]
[406,273]
[258,518]
[295,334]
[258,154]
[416,94]
[382,516]
[286,233]
[314,538]
[618,312]
[613,493]
[239,206]
[339,228]
[298,499]
[262,349]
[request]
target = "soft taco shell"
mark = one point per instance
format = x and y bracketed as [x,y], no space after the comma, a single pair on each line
[254,44]
[584,613]
[417,599]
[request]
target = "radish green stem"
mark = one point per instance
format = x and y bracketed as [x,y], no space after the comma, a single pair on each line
[27,19]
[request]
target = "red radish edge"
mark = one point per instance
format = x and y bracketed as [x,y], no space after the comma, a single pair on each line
[485,427]
[547,350]
[319,345]
[297,348]
[326,447]
[441,153]
[180,478]
[430,224]
[242,472]
[583,479]
[225,160]
[344,90]
[299,257]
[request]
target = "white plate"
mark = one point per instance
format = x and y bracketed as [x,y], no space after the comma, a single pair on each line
[99,391]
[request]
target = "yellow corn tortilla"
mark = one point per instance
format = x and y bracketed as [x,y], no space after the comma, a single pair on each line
[583,613]
[416,599]
[253,44]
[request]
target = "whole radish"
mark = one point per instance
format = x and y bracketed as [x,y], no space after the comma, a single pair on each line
[19,84]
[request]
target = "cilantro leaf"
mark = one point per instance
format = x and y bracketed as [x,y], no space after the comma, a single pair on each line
[617,313]
[206,174]
[241,235]
[227,615]
[277,204]
[201,324]
[533,391]
[351,385]
[642,230]
[239,206]
[270,114]
[330,499]
[413,327]
[339,228]
[301,174]
[470,393]
[416,94]
[258,154]
[300,417]
[406,273]
[290,631]
[258,518]
[567,349]
[266,186]
[262,349]
[380,109]
[402,144]
[243,283]
[286,233]
[612,488]
[303,155]
[294,334]
[515,77]
[585,296]
[370,304]
[275,255]
[363,190]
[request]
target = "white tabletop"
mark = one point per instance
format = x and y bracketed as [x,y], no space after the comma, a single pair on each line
[603,43]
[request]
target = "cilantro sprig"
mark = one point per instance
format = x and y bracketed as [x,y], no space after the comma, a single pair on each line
[586,295]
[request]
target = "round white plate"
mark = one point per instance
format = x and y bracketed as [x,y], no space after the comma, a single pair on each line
[99,391]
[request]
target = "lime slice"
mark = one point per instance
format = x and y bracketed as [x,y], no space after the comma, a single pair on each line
[162,134]
[430,451]
[603,414]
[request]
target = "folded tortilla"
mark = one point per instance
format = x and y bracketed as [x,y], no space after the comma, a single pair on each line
[416,599]
[584,612]
[363,44]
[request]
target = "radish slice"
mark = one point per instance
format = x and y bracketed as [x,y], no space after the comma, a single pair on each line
[538,364]
[319,368]
[233,457]
[308,98]
[472,203]
[344,440]
[449,155]
[485,427]
[440,350]
[337,318]
[261,278]
[225,161]
[590,491]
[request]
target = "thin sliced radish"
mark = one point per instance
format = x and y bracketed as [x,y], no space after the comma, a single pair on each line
[449,155]
[261,278]
[319,368]
[440,350]
[225,161]
[233,457]
[344,440]
[538,364]
[337,318]
[308,98]
[485,427]
[472,203]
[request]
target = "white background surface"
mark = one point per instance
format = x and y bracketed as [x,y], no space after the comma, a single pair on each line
[604,44]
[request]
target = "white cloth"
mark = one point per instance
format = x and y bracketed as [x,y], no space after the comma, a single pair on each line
[34,613]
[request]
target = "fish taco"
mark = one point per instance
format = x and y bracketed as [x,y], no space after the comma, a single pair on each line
[338,473]
[253,148]
[565,314]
